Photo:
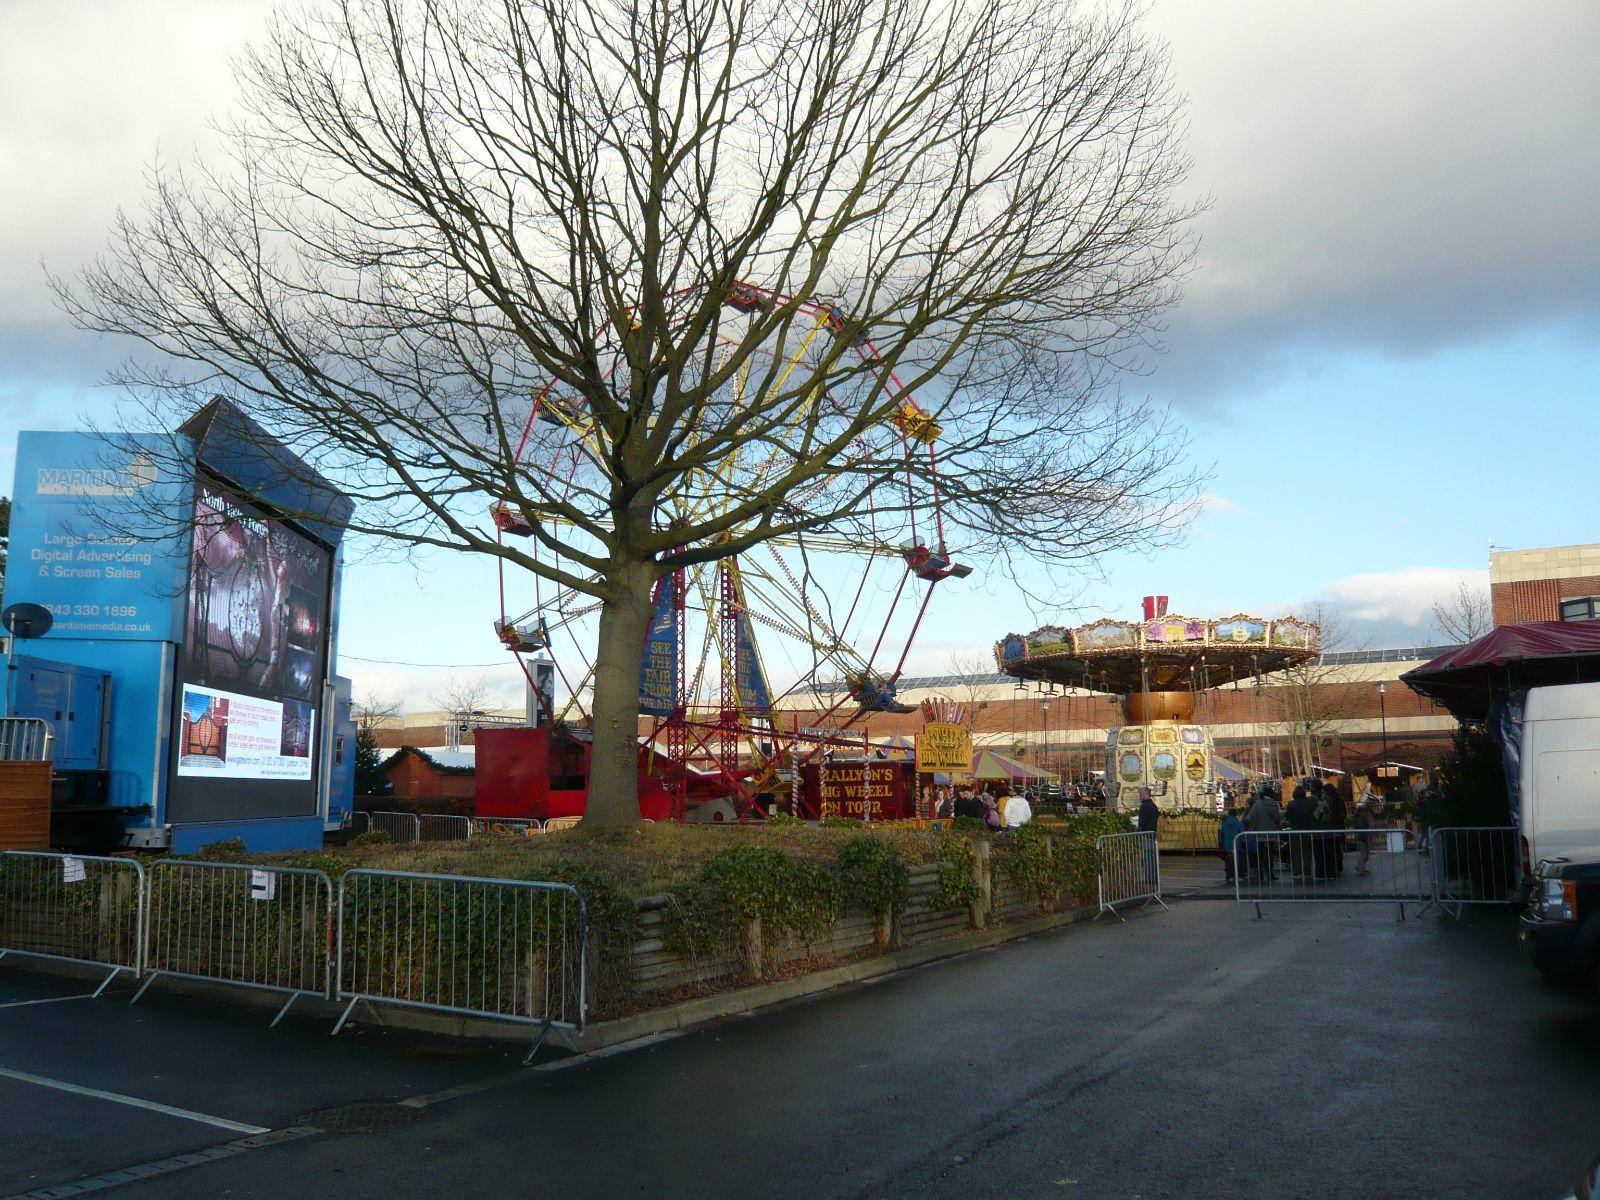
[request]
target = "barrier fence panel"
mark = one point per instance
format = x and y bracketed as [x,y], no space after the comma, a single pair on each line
[443,827]
[400,826]
[25,739]
[73,907]
[359,822]
[507,826]
[511,950]
[268,928]
[1128,869]
[1289,866]
[1474,865]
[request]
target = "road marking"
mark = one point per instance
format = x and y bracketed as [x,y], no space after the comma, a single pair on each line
[132,1102]
[46,1000]
[521,1073]
[163,1166]
[464,1089]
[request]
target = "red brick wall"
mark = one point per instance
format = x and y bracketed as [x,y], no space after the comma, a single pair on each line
[1538,599]
[421,783]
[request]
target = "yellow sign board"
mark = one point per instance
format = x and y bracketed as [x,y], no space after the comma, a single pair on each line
[946,749]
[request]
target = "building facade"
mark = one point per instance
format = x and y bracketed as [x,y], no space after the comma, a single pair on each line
[1552,584]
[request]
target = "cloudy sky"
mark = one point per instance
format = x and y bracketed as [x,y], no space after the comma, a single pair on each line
[1387,355]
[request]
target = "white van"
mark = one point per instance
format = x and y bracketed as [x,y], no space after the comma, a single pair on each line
[1560,768]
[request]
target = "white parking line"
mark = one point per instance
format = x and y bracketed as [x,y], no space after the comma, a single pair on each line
[46,1000]
[132,1102]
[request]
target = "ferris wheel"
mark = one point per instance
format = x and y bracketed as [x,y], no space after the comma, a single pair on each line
[828,617]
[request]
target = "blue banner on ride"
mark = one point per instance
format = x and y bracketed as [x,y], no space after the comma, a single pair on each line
[755,699]
[658,670]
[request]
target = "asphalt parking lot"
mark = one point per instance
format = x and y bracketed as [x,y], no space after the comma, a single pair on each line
[1197,1053]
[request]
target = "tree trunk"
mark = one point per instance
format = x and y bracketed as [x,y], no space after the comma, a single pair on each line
[614,765]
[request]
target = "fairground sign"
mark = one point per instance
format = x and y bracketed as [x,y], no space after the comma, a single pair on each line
[944,749]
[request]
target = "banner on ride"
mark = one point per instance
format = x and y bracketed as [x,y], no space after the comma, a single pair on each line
[658,671]
[755,698]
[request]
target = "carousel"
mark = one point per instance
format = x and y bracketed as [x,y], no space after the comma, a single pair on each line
[1157,667]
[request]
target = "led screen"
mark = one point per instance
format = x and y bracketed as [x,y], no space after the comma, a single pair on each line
[251,669]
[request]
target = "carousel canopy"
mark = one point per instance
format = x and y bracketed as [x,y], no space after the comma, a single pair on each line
[1160,655]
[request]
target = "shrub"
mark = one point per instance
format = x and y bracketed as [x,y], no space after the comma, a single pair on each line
[1035,865]
[372,837]
[780,819]
[747,883]
[958,864]
[227,850]
[872,876]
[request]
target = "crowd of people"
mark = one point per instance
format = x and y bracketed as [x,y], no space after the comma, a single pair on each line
[1315,806]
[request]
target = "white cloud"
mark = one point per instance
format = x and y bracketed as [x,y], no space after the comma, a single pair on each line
[1405,596]
[1209,504]
[414,688]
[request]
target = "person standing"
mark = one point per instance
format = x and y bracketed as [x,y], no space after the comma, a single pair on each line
[1427,813]
[1149,814]
[1261,821]
[1298,814]
[1227,834]
[1149,819]
[1362,823]
[1340,821]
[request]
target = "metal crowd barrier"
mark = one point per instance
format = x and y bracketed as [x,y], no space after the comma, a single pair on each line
[1473,865]
[359,822]
[560,823]
[26,739]
[505,949]
[1309,866]
[507,826]
[268,928]
[400,826]
[1128,869]
[73,908]
[443,827]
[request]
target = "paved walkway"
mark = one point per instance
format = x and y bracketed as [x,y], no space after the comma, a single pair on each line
[1320,1051]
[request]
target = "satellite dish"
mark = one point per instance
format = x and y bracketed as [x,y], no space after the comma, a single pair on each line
[27,620]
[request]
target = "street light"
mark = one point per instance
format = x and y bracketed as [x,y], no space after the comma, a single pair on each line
[1383,719]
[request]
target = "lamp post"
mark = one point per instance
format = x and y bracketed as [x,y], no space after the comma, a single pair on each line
[1383,719]
[1044,725]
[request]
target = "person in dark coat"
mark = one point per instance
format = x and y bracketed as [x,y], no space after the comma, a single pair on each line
[1340,818]
[1228,833]
[1298,816]
[1149,814]
[1149,818]
[1261,820]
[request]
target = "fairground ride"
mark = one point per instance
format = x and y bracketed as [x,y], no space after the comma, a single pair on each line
[732,637]
[1158,667]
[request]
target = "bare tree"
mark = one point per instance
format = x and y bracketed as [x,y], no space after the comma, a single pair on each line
[374,712]
[1309,700]
[1466,614]
[970,673]
[461,697]
[708,251]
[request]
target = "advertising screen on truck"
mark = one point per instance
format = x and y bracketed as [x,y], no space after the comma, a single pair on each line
[251,669]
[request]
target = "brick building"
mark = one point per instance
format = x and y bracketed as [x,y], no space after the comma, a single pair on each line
[1553,584]
[429,780]
[1360,711]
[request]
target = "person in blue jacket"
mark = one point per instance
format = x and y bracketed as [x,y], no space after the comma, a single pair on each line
[1227,833]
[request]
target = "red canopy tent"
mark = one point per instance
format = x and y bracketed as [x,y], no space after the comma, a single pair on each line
[1511,658]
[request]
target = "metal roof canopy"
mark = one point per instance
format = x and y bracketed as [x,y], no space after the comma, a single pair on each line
[1511,658]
